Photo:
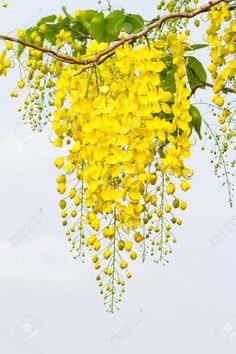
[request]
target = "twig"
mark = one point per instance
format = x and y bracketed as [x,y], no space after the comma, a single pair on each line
[206,84]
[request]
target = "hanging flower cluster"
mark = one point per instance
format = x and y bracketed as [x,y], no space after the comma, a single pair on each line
[126,138]
[5,63]
[221,36]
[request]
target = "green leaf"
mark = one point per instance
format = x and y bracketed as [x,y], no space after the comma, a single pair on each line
[133,23]
[78,31]
[83,47]
[26,38]
[50,35]
[196,120]
[114,22]
[87,15]
[51,32]
[28,33]
[197,46]
[47,19]
[168,79]
[85,18]
[53,29]
[96,28]
[161,153]
[195,72]
[64,9]
[20,50]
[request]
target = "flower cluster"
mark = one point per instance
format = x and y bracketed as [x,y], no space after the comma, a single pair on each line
[38,74]
[125,138]
[221,36]
[5,63]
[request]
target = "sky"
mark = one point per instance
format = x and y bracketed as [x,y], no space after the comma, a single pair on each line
[50,303]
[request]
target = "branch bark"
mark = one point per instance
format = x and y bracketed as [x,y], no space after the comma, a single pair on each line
[207,84]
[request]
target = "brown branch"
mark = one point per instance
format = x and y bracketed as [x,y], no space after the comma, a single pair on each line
[98,63]
[82,35]
[131,38]
[61,57]
[207,84]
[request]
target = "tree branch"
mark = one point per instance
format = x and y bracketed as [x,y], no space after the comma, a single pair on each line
[207,84]
[131,38]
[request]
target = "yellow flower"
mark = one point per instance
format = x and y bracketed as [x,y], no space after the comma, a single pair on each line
[95,224]
[20,33]
[21,84]
[91,239]
[128,246]
[218,100]
[58,142]
[170,189]
[133,255]
[61,188]
[9,45]
[107,254]
[185,185]
[77,13]
[96,245]
[183,205]
[72,193]
[4,63]
[123,265]
[59,162]
[138,237]
[62,204]
[42,28]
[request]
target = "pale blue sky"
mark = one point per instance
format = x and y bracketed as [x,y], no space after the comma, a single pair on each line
[50,303]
